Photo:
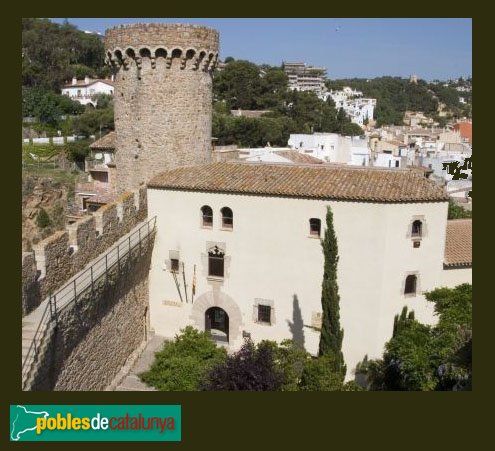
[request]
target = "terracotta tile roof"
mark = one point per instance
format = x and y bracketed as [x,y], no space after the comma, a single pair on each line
[465,129]
[105,142]
[459,243]
[313,181]
[82,83]
[297,157]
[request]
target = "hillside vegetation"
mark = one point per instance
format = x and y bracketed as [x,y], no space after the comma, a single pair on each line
[396,95]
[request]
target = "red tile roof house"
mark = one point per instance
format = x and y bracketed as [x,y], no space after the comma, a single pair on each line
[83,91]
[247,235]
[466,130]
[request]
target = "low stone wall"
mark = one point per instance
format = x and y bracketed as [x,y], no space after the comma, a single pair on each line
[95,336]
[63,254]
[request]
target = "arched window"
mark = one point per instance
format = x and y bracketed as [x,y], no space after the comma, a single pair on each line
[216,262]
[227,218]
[411,282]
[315,227]
[417,229]
[206,216]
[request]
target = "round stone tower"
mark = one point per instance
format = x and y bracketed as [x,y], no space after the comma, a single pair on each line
[162,97]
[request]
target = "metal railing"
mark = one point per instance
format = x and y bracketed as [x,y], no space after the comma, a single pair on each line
[34,348]
[69,294]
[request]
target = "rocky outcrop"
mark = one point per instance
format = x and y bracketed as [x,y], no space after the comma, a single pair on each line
[42,193]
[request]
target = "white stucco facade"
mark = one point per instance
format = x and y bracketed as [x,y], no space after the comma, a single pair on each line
[358,108]
[83,91]
[271,259]
[332,147]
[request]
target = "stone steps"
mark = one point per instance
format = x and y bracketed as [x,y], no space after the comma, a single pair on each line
[28,336]
[132,382]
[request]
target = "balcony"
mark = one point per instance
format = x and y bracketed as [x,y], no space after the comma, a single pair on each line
[96,165]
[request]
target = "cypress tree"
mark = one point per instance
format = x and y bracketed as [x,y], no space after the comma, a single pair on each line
[331,334]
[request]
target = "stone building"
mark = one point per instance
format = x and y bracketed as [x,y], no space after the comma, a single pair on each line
[302,77]
[163,97]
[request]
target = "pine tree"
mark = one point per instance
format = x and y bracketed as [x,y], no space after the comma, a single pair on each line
[331,333]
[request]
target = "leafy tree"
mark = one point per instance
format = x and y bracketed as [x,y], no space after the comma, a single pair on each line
[53,53]
[182,364]
[422,357]
[47,106]
[457,211]
[251,368]
[92,122]
[331,332]
[251,132]
[322,374]
[77,150]
[103,101]
[239,84]
[291,359]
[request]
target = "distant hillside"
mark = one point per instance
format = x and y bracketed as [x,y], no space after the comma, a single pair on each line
[396,95]
[53,53]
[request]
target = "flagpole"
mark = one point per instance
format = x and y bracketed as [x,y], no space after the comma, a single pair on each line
[184,277]
[193,290]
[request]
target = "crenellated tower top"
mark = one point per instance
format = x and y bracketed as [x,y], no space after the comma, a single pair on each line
[196,47]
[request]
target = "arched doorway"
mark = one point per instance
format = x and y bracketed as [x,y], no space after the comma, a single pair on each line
[217,324]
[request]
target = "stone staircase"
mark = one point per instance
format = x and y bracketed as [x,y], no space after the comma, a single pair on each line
[132,382]
[34,347]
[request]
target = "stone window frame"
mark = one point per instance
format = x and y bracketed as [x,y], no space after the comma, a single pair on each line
[173,255]
[226,262]
[267,303]
[418,285]
[424,228]
[216,263]
[314,235]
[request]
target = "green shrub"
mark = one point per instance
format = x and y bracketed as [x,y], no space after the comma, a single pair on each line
[182,364]
[291,359]
[458,212]
[322,374]
[42,219]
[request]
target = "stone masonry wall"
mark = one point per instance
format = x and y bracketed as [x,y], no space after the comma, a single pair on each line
[95,336]
[63,254]
[163,97]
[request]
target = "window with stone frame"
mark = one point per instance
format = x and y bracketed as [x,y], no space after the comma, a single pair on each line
[314,227]
[411,284]
[174,264]
[264,314]
[216,262]
[417,229]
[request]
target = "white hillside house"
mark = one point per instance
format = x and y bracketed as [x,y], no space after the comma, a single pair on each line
[238,251]
[357,107]
[83,90]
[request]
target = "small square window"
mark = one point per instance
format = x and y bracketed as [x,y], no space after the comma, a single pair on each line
[174,265]
[314,227]
[264,314]
[416,244]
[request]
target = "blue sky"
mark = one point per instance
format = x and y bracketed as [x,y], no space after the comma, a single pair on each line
[430,48]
